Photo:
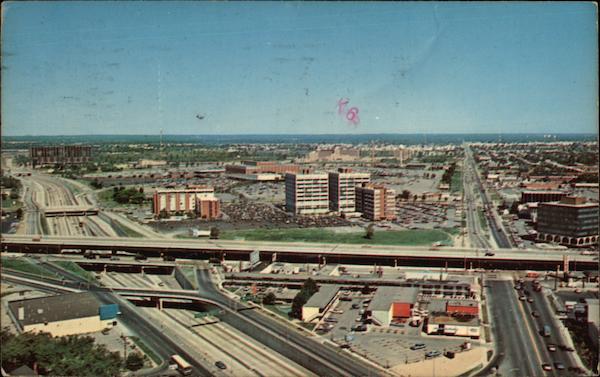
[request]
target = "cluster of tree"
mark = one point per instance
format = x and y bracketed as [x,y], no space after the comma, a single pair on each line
[96,184]
[269,299]
[308,289]
[10,182]
[405,194]
[447,176]
[130,195]
[134,361]
[59,356]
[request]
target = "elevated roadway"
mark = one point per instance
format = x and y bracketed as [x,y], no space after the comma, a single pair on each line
[468,258]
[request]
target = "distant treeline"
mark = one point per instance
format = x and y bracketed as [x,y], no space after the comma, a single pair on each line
[19,142]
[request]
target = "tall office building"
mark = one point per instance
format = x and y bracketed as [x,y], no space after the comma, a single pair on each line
[572,222]
[61,155]
[342,189]
[307,193]
[376,202]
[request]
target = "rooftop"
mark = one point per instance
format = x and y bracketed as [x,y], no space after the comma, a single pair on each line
[55,308]
[323,297]
[385,296]
[453,320]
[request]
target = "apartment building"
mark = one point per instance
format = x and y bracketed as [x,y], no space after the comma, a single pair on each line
[307,193]
[342,189]
[376,202]
[190,199]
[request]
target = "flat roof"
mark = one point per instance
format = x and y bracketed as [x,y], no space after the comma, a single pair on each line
[454,320]
[385,296]
[55,308]
[323,297]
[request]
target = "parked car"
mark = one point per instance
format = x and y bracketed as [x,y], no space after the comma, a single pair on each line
[551,347]
[530,300]
[432,354]
[418,346]
[535,314]
[547,367]
[220,365]
[559,366]
[566,348]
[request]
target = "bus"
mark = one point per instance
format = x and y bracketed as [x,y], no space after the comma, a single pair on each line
[182,366]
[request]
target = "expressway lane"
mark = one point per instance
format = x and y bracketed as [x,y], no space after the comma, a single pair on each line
[497,232]
[348,365]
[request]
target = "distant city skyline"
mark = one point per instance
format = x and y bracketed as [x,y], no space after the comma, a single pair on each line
[74,68]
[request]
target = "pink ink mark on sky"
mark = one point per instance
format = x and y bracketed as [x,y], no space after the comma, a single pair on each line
[342,104]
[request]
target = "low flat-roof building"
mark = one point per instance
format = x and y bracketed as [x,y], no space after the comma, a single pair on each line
[572,222]
[392,302]
[317,304]
[457,325]
[67,314]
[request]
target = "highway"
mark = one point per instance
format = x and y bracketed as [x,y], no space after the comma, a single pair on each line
[477,235]
[130,317]
[495,226]
[320,351]
[307,252]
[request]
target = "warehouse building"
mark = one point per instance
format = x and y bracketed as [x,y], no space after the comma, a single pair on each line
[342,189]
[453,317]
[67,314]
[392,302]
[307,193]
[572,222]
[319,302]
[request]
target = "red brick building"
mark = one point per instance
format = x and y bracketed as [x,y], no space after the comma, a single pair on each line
[463,307]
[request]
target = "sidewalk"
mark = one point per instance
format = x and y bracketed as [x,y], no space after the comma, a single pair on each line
[442,366]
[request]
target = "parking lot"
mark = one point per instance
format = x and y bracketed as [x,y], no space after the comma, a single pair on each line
[387,346]
[414,215]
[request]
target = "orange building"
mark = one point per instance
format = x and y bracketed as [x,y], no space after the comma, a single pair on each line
[468,307]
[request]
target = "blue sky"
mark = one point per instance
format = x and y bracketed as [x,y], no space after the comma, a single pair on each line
[139,67]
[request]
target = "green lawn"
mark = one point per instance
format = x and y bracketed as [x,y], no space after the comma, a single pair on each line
[25,265]
[10,205]
[402,237]
[105,197]
[482,220]
[74,268]
[456,184]
[145,349]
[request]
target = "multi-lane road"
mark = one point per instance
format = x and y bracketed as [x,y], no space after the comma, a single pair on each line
[500,237]
[521,347]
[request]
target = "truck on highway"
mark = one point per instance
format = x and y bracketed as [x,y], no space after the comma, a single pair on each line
[182,366]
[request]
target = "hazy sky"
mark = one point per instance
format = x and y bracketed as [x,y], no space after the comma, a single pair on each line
[139,67]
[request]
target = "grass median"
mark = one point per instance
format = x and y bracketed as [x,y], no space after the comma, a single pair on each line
[74,268]
[417,237]
[26,266]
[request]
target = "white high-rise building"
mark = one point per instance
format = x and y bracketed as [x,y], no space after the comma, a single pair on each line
[307,193]
[342,189]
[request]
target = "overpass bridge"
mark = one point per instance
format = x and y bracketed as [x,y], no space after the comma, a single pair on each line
[467,258]
[69,211]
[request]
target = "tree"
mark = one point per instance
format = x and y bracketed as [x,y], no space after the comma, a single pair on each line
[214,233]
[514,208]
[269,299]
[365,290]
[405,194]
[19,213]
[14,194]
[308,289]
[134,361]
[370,232]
